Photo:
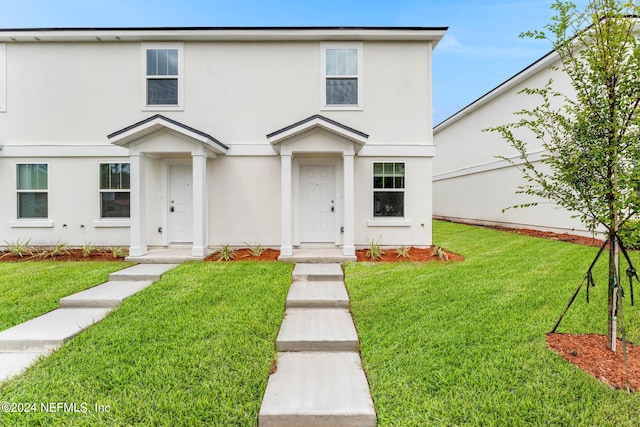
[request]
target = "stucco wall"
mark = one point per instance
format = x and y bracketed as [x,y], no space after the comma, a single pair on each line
[472,184]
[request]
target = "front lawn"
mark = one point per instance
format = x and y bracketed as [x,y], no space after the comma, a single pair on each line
[32,288]
[463,343]
[193,349]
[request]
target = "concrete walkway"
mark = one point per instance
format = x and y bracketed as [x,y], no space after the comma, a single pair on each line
[22,345]
[319,379]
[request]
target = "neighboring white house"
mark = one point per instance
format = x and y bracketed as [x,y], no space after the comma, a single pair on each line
[470,184]
[205,136]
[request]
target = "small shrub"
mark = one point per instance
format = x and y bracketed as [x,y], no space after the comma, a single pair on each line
[630,234]
[88,248]
[402,251]
[18,248]
[118,251]
[60,248]
[226,253]
[440,253]
[375,251]
[256,249]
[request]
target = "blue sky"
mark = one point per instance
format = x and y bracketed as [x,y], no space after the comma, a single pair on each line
[481,49]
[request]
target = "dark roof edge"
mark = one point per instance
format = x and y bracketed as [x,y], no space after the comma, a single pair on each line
[224,28]
[321,117]
[174,122]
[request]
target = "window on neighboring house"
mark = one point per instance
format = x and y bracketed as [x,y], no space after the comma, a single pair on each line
[163,78]
[342,75]
[388,189]
[115,190]
[32,188]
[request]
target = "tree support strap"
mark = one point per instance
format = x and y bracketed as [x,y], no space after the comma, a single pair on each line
[590,282]
[631,271]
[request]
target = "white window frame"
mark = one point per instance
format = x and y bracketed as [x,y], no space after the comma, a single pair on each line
[323,73]
[392,219]
[112,190]
[180,77]
[3,78]
[19,191]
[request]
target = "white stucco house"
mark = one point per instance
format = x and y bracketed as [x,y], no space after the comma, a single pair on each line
[472,185]
[154,137]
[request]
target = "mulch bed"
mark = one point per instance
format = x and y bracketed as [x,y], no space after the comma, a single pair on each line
[590,353]
[244,254]
[413,255]
[562,237]
[73,255]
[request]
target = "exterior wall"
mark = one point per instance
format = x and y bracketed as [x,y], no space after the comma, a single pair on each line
[471,184]
[64,98]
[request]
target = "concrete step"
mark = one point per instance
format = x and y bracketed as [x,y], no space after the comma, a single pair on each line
[309,329]
[317,294]
[141,272]
[50,330]
[109,294]
[318,272]
[317,389]
[14,363]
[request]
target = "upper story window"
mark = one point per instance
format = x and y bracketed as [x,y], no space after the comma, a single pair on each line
[388,189]
[3,78]
[163,87]
[341,76]
[32,182]
[115,190]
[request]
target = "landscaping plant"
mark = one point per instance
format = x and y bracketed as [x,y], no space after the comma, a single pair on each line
[591,136]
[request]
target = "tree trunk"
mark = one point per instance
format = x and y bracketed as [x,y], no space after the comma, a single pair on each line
[614,282]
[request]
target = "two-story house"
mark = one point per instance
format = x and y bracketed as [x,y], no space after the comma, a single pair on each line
[152,137]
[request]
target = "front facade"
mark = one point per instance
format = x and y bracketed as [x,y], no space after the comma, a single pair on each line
[202,137]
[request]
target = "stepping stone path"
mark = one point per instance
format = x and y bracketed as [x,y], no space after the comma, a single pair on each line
[319,379]
[22,345]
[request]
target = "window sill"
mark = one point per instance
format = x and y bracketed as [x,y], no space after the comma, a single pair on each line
[32,223]
[389,223]
[342,108]
[112,223]
[162,108]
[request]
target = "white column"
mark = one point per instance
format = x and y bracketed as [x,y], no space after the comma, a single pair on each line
[348,245]
[286,245]
[200,206]
[138,246]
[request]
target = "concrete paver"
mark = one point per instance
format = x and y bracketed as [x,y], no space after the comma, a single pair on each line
[109,294]
[318,389]
[305,329]
[50,330]
[12,364]
[317,294]
[151,272]
[318,272]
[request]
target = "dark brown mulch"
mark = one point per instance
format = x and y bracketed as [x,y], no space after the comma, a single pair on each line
[414,255]
[562,237]
[244,254]
[73,255]
[590,353]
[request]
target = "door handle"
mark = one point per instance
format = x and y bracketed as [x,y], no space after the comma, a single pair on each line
[171,209]
[333,209]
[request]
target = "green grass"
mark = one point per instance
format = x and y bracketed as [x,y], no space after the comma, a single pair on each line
[193,349]
[463,343]
[29,289]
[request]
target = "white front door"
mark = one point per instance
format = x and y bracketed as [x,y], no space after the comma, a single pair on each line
[317,203]
[180,203]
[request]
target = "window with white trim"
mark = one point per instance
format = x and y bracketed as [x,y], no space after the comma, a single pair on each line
[32,188]
[115,190]
[163,76]
[3,78]
[388,189]
[342,75]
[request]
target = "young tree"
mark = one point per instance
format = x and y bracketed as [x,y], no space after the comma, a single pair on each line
[592,135]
